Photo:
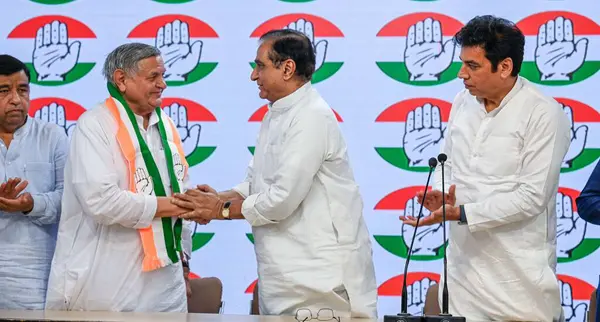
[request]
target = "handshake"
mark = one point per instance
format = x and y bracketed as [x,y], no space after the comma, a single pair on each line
[201,205]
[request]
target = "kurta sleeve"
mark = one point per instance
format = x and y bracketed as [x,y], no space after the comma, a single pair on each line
[95,180]
[300,157]
[588,202]
[47,206]
[546,142]
[244,188]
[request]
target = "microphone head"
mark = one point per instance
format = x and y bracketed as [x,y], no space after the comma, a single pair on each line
[442,157]
[432,163]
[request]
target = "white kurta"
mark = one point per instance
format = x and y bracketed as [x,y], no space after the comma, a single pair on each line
[312,244]
[98,260]
[506,165]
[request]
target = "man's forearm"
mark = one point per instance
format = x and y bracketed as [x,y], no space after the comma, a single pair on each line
[230,195]
[165,208]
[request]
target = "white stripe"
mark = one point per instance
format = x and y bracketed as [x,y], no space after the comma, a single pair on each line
[88,52]
[159,240]
[392,48]
[593,47]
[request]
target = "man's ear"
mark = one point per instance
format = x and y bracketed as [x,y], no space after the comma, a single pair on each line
[119,77]
[289,69]
[506,67]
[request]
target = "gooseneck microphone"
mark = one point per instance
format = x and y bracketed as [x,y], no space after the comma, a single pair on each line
[444,316]
[404,316]
[442,158]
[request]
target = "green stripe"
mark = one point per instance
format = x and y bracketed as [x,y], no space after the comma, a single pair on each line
[174,182]
[159,189]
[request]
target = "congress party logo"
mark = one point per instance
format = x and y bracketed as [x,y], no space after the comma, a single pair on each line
[573,238]
[574,297]
[56,110]
[420,124]
[259,115]
[59,45]
[421,50]
[52,1]
[583,119]
[191,120]
[558,50]
[183,41]
[320,31]
[417,285]
[429,243]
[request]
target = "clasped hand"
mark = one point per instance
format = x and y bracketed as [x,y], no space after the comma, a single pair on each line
[433,202]
[203,204]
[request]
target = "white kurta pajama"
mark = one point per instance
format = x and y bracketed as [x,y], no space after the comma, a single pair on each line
[98,260]
[311,242]
[506,165]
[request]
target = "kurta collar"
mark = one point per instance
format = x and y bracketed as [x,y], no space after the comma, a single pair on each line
[25,128]
[140,119]
[291,100]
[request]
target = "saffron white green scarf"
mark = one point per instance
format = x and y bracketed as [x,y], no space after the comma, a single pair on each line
[161,241]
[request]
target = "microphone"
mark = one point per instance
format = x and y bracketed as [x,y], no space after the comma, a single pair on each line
[404,316]
[444,316]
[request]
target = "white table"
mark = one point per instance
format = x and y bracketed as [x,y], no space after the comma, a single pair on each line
[7,315]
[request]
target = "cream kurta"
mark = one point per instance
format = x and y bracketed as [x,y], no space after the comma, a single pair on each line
[98,260]
[506,165]
[305,209]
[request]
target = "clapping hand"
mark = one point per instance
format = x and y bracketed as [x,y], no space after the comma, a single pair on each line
[11,199]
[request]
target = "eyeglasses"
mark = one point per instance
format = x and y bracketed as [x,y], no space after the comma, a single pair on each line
[303,315]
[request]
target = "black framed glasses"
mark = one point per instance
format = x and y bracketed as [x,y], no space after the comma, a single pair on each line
[303,315]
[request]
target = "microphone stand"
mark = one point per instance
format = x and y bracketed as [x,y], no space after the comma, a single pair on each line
[404,316]
[444,316]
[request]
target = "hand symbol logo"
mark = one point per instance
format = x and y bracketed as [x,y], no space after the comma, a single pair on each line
[417,292]
[190,135]
[181,57]
[570,228]
[578,139]
[426,55]
[53,57]
[306,27]
[557,55]
[178,166]
[429,238]
[55,113]
[572,313]
[422,134]
[143,182]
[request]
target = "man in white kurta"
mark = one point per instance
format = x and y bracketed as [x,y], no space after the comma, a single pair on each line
[505,142]
[98,260]
[311,241]
[505,166]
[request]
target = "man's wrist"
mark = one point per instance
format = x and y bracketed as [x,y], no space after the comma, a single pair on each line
[219,214]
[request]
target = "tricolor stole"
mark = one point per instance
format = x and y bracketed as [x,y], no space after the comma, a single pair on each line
[161,241]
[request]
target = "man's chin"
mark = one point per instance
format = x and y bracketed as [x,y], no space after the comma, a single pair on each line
[156,102]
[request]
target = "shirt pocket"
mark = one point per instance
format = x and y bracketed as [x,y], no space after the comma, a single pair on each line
[40,176]
[499,156]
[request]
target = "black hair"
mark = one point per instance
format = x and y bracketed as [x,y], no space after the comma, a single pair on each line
[294,45]
[499,37]
[10,65]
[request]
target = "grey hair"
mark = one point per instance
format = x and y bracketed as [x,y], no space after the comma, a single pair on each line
[127,57]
